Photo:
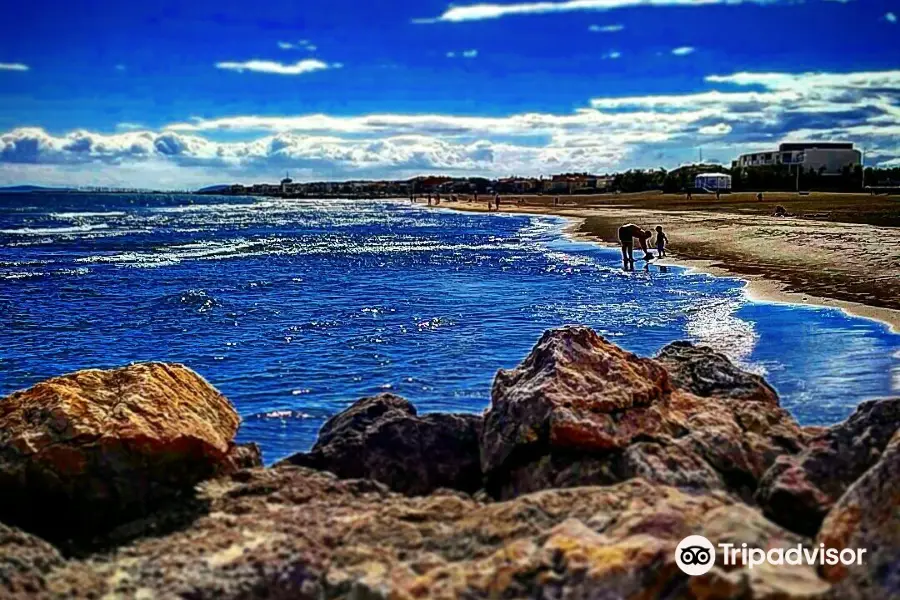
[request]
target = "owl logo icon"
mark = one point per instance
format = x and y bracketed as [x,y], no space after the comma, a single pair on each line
[695,555]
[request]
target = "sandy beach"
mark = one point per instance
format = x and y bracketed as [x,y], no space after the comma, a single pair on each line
[837,250]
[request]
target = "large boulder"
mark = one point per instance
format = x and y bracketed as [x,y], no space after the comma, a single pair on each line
[296,533]
[798,490]
[93,448]
[384,438]
[580,410]
[867,517]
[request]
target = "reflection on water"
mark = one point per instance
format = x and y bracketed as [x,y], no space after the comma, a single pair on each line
[294,308]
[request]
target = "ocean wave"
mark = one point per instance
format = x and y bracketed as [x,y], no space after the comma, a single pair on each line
[282,246]
[199,300]
[279,414]
[84,215]
[22,274]
[54,230]
[12,275]
[25,263]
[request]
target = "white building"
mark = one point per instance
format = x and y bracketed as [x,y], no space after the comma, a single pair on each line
[826,158]
[713,181]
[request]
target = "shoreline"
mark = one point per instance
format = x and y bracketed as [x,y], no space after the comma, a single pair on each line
[759,287]
[756,289]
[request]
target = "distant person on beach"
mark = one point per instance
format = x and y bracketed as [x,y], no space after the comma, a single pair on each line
[497,200]
[627,233]
[759,197]
[689,195]
[661,240]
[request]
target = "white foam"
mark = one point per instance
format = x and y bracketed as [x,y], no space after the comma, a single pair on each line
[80,215]
[55,230]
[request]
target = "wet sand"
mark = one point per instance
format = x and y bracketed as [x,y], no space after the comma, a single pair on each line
[839,250]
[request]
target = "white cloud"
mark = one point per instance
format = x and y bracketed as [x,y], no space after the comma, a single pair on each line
[683,51]
[478,12]
[13,67]
[613,55]
[890,17]
[717,129]
[606,28]
[267,66]
[464,54]
[299,45]
[613,133]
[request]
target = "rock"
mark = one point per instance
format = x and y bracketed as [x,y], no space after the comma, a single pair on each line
[240,456]
[25,562]
[383,438]
[800,489]
[568,393]
[867,517]
[296,533]
[93,448]
[581,411]
[705,372]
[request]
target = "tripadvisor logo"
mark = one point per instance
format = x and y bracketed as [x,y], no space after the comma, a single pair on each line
[696,555]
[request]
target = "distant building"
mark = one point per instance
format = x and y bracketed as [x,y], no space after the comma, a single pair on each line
[285,184]
[713,181]
[576,182]
[518,185]
[827,158]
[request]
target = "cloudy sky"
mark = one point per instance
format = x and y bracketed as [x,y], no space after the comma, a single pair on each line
[180,94]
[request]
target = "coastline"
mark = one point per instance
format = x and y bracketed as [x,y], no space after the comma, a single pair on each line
[757,288]
[761,284]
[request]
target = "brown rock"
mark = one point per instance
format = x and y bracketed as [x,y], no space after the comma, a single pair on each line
[296,533]
[705,372]
[25,562]
[799,490]
[240,456]
[581,411]
[568,391]
[89,449]
[867,517]
[383,438]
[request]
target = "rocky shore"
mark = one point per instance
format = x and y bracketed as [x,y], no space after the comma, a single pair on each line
[579,480]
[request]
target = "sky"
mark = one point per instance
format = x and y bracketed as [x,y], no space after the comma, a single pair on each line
[177,95]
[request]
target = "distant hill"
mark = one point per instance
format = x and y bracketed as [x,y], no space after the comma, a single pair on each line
[32,188]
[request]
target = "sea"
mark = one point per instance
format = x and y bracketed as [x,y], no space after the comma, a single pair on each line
[296,308]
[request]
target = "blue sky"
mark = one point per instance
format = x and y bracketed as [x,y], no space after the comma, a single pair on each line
[177,94]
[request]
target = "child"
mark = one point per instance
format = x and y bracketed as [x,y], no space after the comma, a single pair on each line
[661,240]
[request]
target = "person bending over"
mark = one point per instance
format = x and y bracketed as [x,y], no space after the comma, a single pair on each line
[627,235]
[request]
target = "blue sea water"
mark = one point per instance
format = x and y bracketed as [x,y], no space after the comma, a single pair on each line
[295,308]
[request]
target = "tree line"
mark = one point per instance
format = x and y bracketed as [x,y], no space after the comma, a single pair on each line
[766,178]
